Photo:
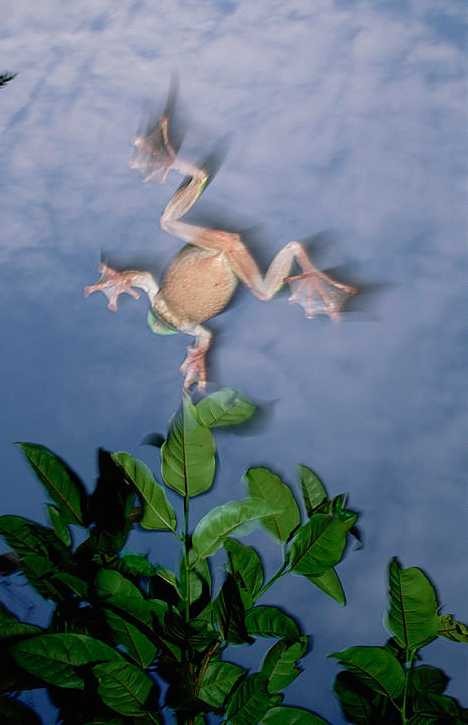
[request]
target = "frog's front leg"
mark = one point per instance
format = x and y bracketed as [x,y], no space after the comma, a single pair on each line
[113,283]
[194,366]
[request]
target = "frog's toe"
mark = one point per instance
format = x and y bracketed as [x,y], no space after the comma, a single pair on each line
[319,294]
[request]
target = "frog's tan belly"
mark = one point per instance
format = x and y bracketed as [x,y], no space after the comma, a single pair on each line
[198,285]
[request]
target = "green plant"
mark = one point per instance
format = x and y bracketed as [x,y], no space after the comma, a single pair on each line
[124,629]
[123,626]
[384,684]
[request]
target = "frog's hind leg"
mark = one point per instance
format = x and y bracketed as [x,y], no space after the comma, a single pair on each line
[194,366]
[315,291]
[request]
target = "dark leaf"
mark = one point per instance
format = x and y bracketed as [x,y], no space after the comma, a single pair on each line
[250,701]
[124,688]
[61,483]
[428,679]
[358,702]
[115,590]
[280,662]
[376,667]
[246,566]
[10,625]
[55,658]
[110,506]
[286,715]
[444,707]
[138,646]
[218,681]
[28,537]
[268,621]
[452,629]
[15,712]
[229,612]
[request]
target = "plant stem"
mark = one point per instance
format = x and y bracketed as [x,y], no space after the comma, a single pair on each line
[186,556]
[277,575]
[408,668]
[189,720]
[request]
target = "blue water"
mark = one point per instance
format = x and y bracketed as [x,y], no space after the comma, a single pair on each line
[343,123]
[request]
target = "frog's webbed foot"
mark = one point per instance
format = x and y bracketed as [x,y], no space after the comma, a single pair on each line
[113,283]
[194,368]
[154,154]
[317,293]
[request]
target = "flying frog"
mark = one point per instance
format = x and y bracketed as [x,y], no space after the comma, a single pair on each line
[203,276]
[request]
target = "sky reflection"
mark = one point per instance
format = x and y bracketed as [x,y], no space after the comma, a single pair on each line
[348,119]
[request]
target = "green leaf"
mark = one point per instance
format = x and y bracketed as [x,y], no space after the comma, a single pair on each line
[139,565]
[280,662]
[266,485]
[355,700]
[199,578]
[13,711]
[250,701]
[73,583]
[215,527]
[319,544]
[376,667]
[218,681]
[329,582]
[229,612]
[54,657]
[40,573]
[158,514]
[431,704]
[124,687]
[268,621]
[428,679]
[412,616]
[223,408]
[246,565]
[139,647]
[452,629]
[158,608]
[58,524]
[313,490]
[114,589]
[10,626]
[285,715]
[61,483]
[188,455]
[110,507]
[28,537]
